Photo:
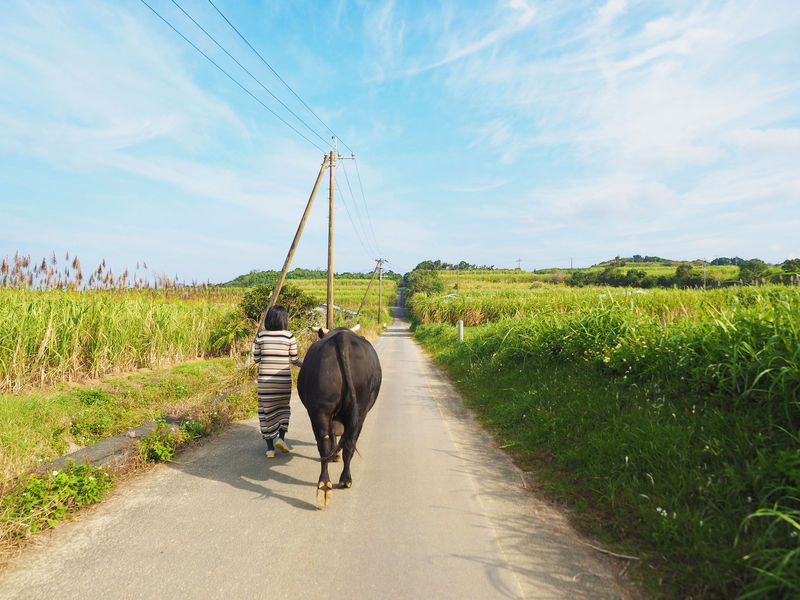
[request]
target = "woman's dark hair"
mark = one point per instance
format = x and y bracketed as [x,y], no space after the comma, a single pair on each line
[277,319]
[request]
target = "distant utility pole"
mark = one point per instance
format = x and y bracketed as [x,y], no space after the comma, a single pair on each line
[519,263]
[458,274]
[704,273]
[570,263]
[369,285]
[380,288]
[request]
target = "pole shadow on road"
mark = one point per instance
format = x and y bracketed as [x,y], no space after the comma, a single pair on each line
[236,458]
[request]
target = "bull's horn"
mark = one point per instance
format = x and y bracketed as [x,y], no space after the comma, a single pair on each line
[314,328]
[356,328]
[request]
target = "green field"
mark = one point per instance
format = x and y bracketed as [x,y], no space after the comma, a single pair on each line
[667,420]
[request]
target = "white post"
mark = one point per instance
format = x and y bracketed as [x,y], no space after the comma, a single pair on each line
[460,331]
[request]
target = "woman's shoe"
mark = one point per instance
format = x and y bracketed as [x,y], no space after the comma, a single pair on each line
[282,445]
[270,453]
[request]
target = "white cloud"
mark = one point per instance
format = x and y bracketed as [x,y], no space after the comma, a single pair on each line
[610,11]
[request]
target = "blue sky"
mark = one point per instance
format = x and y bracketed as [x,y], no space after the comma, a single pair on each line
[484,131]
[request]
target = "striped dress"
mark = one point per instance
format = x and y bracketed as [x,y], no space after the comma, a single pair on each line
[274,350]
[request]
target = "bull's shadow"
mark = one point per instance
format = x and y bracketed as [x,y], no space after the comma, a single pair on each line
[236,457]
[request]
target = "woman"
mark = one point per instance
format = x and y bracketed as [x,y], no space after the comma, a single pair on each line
[275,349]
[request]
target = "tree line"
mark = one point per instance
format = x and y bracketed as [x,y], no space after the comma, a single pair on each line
[425,276]
[256,277]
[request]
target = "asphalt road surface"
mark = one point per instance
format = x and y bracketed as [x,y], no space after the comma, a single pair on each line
[436,511]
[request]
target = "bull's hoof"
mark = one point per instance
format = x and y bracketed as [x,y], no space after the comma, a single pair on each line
[324,494]
[345,484]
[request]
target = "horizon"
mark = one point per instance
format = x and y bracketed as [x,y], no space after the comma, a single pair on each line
[510,134]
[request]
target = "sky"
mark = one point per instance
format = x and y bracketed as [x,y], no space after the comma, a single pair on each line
[510,133]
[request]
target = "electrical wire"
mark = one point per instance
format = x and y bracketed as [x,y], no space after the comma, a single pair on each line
[355,229]
[253,77]
[366,207]
[362,237]
[274,72]
[229,76]
[355,203]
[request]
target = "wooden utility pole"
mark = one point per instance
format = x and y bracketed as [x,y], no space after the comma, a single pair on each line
[329,311]
[276,292]
[297,235]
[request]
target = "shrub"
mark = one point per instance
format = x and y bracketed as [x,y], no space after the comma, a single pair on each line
[39,501]
[297,302]
[162,443]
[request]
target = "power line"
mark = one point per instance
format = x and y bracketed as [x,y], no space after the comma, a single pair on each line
[229,76]
[355,202]
[366,207]
[253,77]
[274,72]
[350,218]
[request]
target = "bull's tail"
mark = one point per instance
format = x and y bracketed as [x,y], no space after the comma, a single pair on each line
[350,405]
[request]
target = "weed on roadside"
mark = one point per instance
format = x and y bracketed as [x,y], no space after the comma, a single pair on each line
[39,501]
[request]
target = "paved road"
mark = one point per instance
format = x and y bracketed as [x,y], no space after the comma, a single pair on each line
[435,512]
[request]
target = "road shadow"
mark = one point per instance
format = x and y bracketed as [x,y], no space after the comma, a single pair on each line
[236,458]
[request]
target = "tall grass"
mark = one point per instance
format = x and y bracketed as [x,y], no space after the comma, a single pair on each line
[61,323]
[682,434]
[486,305]
[62,335]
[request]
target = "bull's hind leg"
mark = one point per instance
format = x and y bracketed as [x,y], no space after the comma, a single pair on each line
[325,446]
[346,480]
[337,430]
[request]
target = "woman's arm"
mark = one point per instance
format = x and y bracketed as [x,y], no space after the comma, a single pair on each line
[293,356]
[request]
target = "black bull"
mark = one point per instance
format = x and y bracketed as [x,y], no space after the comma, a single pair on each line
[338,383]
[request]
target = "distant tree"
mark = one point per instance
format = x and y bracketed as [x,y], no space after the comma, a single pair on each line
[683,274]
[582,278]
[752,270]
[635,277]
[424,281]
[791,265]
[722,261]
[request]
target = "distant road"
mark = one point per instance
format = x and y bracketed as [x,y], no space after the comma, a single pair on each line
[435,512]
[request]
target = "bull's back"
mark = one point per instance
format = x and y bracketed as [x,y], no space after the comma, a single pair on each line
[321,378]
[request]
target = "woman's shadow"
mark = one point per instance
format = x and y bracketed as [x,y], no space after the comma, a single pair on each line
[236,457]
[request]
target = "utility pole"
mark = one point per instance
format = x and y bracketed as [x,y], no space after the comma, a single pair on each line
[458,274]
[297,235]
[287,263]
[334,155]
[380,289]
[329,311]
[704,273]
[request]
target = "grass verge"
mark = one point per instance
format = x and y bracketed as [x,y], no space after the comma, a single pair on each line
[39,426]
[696,471]
[39,500]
